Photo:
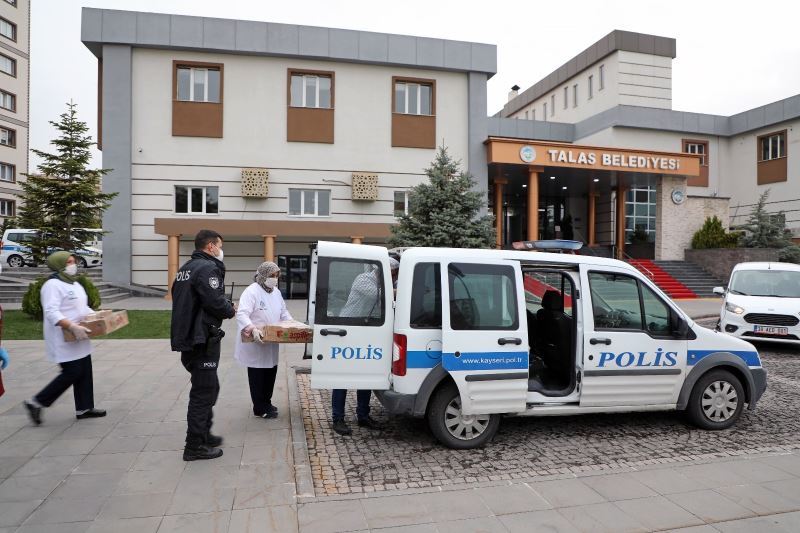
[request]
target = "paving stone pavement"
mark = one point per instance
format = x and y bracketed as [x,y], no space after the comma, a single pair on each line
[125,473]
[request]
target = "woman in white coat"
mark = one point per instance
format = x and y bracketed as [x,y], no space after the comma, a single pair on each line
[260,304]
[65,304]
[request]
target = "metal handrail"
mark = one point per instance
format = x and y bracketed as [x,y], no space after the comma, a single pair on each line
[640,266]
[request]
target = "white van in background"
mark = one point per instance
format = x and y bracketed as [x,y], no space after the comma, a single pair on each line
[16,250]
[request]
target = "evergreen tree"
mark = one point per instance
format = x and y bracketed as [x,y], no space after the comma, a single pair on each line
[765,230]
[445,211]
[64,196]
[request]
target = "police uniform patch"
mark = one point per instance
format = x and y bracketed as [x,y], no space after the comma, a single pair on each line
[214,283]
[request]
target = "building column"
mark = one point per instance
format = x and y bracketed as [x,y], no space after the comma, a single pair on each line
[620,217]
[356,240]
[591,227]
[173,259]
[269,247]
[533,202]
[498,211]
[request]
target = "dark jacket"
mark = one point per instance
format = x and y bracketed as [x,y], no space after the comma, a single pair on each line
[199,304]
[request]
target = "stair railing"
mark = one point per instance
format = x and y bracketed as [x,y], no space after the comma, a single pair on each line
[640,266]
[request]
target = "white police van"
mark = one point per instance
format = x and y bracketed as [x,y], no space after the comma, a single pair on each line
[15,249]
[477,334]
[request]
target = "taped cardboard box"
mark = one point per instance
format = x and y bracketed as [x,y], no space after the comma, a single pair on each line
[101,323]
[287,331]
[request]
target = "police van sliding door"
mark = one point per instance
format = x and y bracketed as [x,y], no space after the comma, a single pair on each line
[485,334]
[353,317]
[630,355]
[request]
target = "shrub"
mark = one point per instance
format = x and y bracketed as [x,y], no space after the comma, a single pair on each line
[790,254]
[32,303]
[713,235]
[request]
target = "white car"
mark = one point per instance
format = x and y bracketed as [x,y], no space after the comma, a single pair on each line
[15,252]
[762,302]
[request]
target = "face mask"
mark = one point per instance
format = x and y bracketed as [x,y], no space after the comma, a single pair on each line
[221,254]
[271,283]
[71,270]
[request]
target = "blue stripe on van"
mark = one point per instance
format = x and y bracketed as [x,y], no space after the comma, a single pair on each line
[750,358]
[422,358]
[486,361]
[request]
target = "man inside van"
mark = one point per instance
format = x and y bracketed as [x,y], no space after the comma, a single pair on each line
[362,303]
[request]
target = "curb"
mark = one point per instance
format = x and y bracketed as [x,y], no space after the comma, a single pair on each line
[304,482]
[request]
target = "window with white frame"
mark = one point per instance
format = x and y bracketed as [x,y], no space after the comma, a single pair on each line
[8,65]
[575,95]
[196,200]
[8,137]
[591,86]
[640,213]
[196,84]
[8,29]
[400,203]
[566,97]
[552,104]
[602,73]
[544,111]
[699,148]
[773,146]
[8,172]
[8,101]
[309,202]
[311,90]
[8,208]
[413,98]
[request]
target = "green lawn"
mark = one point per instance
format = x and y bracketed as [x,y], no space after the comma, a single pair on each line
[17,326]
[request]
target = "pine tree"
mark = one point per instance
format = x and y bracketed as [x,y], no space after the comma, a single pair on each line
[64,196]
[445,211]
[765,230]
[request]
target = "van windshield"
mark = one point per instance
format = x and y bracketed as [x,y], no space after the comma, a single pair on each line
[775,283]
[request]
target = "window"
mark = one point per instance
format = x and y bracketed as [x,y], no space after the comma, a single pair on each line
[8,29]
[8,137]
[656,312]
[566,97]
[620,302]
[197,84]
[482,297]
[773,146]
[413,98]
[426,297]
[640,214]
[538,283]
[602,77]
[533,114]
[8,65]
[697,147]
[311,90]
[349,292]
[575,95]
[8,208]
[196,200]
[544,106]
[8,172]
[400,203]
[309,202]
[591,84]
[526,115]
[552,104]
[8,101]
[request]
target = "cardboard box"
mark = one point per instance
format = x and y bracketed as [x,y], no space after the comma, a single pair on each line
[288,331]
[101,323]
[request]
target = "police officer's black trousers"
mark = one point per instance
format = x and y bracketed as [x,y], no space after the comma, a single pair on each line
[76,374]
[201,363]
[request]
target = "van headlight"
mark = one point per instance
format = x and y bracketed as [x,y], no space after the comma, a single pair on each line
[733,308]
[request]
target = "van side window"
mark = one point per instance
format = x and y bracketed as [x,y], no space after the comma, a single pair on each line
[482,297]
[656,312]
[538,283]
[350,292]
[615,301]
[426,297]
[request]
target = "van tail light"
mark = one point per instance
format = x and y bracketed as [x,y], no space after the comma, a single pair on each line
[399,355]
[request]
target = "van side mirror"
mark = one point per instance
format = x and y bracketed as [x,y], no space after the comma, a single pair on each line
[719,290]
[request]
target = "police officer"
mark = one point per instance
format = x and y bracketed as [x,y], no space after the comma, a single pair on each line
[198,307]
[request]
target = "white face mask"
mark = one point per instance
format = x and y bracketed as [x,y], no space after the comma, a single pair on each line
[71,270]
[221,254]
[271,283]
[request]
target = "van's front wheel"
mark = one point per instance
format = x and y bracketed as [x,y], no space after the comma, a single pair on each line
[717,400]
[452,427]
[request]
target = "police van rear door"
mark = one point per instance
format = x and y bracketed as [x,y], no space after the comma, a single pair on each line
[353,320]
[485,334]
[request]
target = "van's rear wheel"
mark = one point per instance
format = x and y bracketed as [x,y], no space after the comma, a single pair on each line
[717,400]
[16,261]
[452,427]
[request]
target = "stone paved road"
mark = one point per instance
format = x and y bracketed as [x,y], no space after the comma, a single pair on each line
[404,455]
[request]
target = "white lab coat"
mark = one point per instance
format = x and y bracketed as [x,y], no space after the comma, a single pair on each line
[259,308]
[62,300]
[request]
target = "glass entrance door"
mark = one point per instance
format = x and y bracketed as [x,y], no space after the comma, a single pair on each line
[293,282]
[553,223]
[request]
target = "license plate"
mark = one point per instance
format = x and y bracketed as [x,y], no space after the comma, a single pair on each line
[771,330]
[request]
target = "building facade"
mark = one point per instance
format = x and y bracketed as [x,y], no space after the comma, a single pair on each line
[279,136]
[14,91]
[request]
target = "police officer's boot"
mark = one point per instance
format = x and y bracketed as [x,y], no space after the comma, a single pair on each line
[196,449]
[213,441]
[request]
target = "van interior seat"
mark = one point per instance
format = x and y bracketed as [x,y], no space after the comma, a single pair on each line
[555,332]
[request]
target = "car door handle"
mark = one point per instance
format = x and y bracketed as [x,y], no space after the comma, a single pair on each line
[607,342]
[333,331]
[509,340]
